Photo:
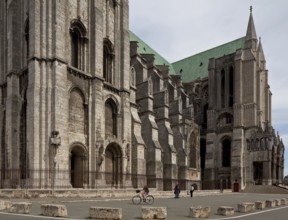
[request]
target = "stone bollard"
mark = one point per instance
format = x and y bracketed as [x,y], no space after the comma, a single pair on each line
[246,207]
[225,210]
[270,203]
[21,207]
[154,212]
[5,205]
[277,202]
[105,213]
[53,210]
[284,202]
[200,212]
[260,205]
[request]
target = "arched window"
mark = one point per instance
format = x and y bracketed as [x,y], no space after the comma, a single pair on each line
[231,86]
[78,40]
[110,118]
[222,88]
[108,56]
[226,153]
[75,47]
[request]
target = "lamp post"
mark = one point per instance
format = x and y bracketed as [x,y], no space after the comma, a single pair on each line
[55,143]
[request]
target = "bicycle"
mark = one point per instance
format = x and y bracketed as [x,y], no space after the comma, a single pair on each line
[137,199]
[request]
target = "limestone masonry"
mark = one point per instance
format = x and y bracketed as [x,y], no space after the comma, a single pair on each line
[85,103]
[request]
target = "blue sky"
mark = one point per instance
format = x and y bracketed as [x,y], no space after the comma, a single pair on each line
[178,29]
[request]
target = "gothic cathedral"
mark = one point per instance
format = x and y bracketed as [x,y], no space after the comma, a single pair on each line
[85,103]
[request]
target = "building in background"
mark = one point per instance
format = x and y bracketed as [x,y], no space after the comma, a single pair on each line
[87,104]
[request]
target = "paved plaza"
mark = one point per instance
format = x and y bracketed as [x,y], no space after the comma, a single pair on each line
[177,209]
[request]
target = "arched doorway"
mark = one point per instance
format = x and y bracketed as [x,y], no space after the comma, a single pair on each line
[113,165]
[77,166]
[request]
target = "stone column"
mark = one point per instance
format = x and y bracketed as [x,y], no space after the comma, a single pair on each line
[237,151]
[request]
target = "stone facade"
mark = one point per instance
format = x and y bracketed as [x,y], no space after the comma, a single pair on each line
[66,70]
[84,106]
[233,103]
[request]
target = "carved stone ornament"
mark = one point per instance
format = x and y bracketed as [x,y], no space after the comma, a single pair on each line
[55,139]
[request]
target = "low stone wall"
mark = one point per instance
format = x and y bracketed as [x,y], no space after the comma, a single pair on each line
[94,193]
[225,210]
[54,210]
[105,213]
[246,207]
[21,207]
[154,212]
[200,212]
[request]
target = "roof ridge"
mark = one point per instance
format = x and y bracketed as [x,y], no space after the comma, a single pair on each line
[205,51]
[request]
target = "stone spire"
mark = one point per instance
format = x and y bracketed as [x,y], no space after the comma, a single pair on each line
[251,37]
[261,52]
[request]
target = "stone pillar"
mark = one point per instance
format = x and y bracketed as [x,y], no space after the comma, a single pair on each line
[267,173]
[209,171]
[138,162]
[237,151]
[149,130]
[161,110]
[13,107]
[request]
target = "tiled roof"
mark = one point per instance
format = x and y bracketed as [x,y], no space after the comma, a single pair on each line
[144,48]
[196,66]
[193,67]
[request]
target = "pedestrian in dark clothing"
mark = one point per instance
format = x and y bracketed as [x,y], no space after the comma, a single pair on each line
[191,190]
[177,191]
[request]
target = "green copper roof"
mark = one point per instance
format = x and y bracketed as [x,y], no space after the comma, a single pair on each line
[196,66]
[144,48]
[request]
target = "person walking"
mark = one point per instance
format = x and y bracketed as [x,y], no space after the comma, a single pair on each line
[177,191]
[191,190]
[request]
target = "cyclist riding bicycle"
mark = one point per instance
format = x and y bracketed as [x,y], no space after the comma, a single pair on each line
[145,192]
